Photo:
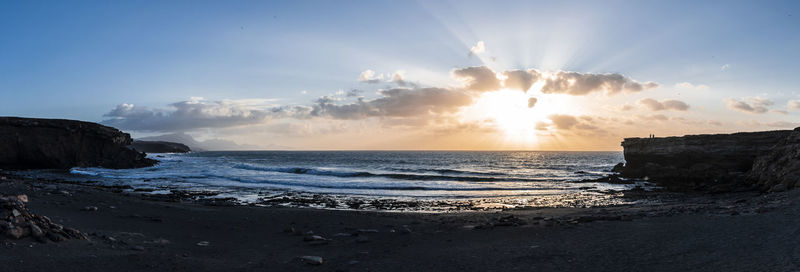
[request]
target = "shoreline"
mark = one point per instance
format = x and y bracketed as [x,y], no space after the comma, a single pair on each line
[131,232]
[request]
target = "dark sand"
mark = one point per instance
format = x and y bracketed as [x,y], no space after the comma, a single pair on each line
[735,232]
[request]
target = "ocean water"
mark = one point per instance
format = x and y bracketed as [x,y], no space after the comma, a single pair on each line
[408,174]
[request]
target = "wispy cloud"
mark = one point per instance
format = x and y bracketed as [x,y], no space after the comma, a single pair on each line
[749,105]
[656,105]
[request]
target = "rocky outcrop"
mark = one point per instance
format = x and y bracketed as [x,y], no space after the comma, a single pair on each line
[779,170]
[717,162]
[28,143]
[17,222]
[159,147]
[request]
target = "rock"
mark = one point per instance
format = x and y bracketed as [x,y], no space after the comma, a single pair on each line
[618,168]
[55,237]
[15,233]
[697,162]
[36,232]
[780,168]
[138,248]
[780,187]
[90,208]
[28,143]
[203,243]
[313,260]
[159,147]
[23,198]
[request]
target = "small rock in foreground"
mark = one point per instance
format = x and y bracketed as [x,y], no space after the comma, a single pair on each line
[313,260]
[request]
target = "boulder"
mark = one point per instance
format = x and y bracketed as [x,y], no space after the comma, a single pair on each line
[29,143]
[159,147]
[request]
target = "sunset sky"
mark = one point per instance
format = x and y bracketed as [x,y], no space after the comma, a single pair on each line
[455,75]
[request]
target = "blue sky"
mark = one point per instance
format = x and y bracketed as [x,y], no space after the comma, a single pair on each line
[80,59]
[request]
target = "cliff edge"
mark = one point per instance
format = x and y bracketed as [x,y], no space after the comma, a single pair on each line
[31,143]
[715,162]
[159,147]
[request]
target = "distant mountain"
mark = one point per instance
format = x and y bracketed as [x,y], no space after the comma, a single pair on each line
[211,144]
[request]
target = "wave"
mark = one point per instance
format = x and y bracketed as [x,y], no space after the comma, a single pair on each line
[82,172]
[390,188]
[364,174]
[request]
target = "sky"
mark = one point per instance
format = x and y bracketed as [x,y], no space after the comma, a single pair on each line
[405,75]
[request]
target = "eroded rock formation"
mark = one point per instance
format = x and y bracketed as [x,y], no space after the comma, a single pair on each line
[159,147]
[718,162]
[28,143]
[779,169]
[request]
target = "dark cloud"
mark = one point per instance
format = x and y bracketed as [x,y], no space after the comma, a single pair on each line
[749,105]
[574,83]
[655,105]
[185,115]
[398,102]
[354,93]
[478,78]
[521,79]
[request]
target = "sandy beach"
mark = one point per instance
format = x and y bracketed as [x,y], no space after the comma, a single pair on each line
[127,232]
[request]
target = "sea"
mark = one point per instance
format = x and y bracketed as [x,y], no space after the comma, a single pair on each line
[252,176]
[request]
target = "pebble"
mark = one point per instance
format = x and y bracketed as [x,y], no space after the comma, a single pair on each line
[312,260]
[203,243]
[90,208]
[23,198]
[138,248]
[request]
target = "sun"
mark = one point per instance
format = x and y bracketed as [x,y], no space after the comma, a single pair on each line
[513,115]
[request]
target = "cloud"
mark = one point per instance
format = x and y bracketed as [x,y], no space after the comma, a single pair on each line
[793,105]
[397,102]
[687,85]
[725,67]
[369,76]
[477,49]
[574,83]
[749,105]
[521,79]
[782,124]
[714,123]
[532,102]
[478,78]
[655,117]
[655,105]
[625,107]
[567,122]
[354,93]
[186,115]
[399,78]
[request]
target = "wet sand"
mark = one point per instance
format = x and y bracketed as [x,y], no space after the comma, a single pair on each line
[132,232]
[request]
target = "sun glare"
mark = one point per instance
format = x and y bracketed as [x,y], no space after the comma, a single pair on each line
[510,111]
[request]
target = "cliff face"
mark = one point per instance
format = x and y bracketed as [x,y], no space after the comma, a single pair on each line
[159,147]
[698,161]
[28,143]
[779,169]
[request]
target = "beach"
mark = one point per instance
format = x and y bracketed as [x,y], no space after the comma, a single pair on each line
[131,231]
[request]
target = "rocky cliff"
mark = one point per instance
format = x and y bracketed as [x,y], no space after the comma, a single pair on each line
[779,169]
[715,162]
[159,147]
[28,143]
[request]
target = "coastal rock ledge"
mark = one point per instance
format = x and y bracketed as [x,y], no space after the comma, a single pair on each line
[29,143]
[768,160]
